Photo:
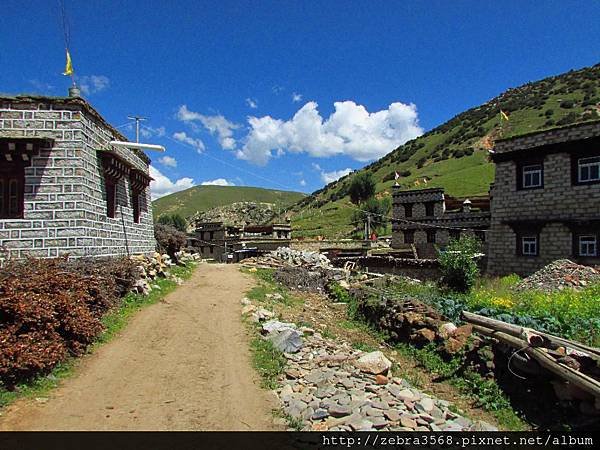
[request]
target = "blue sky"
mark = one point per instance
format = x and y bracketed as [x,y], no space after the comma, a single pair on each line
[282,94]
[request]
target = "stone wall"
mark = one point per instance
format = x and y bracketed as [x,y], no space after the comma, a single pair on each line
[421,269]
[65,200]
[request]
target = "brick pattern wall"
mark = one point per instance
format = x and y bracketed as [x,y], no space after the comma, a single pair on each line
[557,201]
[65,203]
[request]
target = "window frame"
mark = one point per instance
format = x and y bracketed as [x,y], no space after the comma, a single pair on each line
[135,206]
[408,210]
[9,174]
[409,236]
[429,208]
[523,173]
[111,197]
[431,235]
[522,244]
[579,239]
[580,166]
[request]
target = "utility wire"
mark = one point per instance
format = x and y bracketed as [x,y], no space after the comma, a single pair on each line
[427,225]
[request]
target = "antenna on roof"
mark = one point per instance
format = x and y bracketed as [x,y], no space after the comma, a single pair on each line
[137,125]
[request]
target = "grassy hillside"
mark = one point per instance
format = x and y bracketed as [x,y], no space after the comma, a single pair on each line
[454,155]
[202,198]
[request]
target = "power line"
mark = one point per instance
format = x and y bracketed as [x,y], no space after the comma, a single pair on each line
[427,225]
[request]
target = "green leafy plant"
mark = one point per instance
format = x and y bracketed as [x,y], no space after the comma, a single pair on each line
[362,187]
[458,264]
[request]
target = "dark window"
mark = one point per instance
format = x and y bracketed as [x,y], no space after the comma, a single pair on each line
[429,209]
[12,182]
[135,205]
[588,169]
[212,249]
[532,176]
[528,245]
[454,234]
[212,236]
[111,197]
[587,245]
[431,236]
[408,210]
[409,236]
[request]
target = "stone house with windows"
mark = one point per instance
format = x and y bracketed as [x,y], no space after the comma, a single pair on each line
[64,189]
[426,219]
[215,240]
[546,199]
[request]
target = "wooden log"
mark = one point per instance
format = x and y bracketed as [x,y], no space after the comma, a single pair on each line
[579,379]
[519,331]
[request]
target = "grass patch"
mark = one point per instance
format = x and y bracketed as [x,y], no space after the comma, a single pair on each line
[267,360]
[114,321]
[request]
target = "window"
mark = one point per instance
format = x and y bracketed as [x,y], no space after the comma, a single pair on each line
[212,249]
[588,169]
[587,245]
[408,210]
[529,245]
[12,181]
[409,236]
[135,205]
[532,176]
[429,209]
[111,197]
[431,236]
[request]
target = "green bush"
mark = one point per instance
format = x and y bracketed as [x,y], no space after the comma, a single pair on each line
[458,264]
[362,187]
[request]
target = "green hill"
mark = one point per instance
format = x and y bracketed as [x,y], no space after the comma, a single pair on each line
[203,198]
[454,155]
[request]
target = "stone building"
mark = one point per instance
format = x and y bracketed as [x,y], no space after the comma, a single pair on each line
[425,219]
[546,199]
[63,188]
[214,240]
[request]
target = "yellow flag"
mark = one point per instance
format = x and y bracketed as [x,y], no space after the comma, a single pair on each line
[504,115]
[69,65]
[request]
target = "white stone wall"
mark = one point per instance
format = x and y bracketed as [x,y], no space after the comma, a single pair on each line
[65,204]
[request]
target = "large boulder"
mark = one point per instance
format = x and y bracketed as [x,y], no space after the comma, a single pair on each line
[287,341]
[375,363]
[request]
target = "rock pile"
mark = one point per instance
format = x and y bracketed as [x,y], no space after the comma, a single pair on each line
[328,385]
[151,268]
[559,275]
[285,256]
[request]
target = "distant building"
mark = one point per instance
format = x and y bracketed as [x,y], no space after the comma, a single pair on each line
[214,240]
[425,219]
[63,188]
[546,199]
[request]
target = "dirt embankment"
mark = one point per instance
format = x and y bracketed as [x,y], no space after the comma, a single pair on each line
[182,364]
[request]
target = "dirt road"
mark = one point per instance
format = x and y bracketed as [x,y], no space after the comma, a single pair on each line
[181,364]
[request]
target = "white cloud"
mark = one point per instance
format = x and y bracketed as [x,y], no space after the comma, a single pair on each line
[90,84]
[168,161]
[350,130]
[162,185]
[181,136]
[277,89]
[217,182]
[217,125]
[303,182]
[149,132]
[252,103]
[329,177]
[41,86]
[296,97]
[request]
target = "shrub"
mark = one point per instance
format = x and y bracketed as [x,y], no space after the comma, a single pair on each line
[175,220]
[458,264]
[50,309]
[567,104]
[168,239]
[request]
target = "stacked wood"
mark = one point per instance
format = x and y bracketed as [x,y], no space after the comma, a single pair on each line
[572,362]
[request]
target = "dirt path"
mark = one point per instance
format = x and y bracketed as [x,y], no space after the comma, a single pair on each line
[182,364]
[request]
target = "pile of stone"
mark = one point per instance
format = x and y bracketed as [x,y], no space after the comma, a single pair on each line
[156,266]
[559,275]
[285,256]
[329,386]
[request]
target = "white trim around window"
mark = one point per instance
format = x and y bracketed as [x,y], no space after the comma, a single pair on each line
[588,245]
[529,245]
[588,169]
[532,176]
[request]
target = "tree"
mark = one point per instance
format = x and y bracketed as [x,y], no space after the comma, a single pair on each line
[362,187]
[179,222]
[169,239]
